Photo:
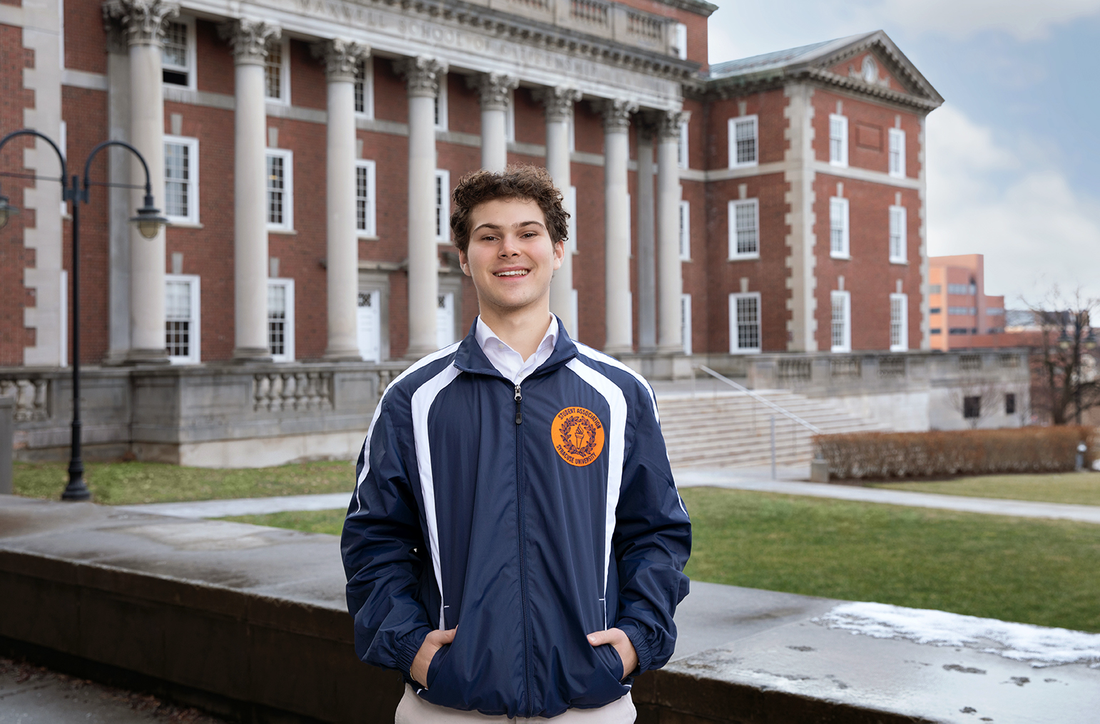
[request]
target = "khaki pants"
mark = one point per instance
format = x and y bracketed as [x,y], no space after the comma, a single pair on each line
[414,710]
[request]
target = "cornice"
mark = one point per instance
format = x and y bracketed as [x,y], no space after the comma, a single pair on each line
[699,7]
[732,87]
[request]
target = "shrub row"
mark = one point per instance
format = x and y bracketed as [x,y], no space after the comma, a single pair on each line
[961,452]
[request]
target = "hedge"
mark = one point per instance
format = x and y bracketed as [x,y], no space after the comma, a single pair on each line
[962,452]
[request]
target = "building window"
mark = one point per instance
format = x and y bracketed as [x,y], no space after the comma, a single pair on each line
[445,320]
[962,288]
[897,152]
[441,104]
[1010,403]
[744,229]
[838,140]
[181,318]
[181,179]
[934,310]
[935,289]
[685,231]
[277,71]
[685,322]
[280,319]
[972,407]
[177,54]
[280,190]
[899,322]
[364,89]
[841,327]
[935,330]
[442,205]
[682,158]
[745,323]
[994,311]
[962,311]
[958,330]
[681,49]
[742,141]
[838,228]
[364,198]
[898,219]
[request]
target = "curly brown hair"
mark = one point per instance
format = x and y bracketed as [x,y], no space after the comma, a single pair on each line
[530,183]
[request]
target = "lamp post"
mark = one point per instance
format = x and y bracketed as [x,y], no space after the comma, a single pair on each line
[148,222]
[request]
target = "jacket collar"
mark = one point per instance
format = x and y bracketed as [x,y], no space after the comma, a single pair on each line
[470,358]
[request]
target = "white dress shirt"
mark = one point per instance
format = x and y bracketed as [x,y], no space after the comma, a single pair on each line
[509,362]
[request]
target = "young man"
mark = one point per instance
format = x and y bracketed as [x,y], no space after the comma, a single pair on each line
[515,544]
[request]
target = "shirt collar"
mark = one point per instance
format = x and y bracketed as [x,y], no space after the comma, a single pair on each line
[485,335]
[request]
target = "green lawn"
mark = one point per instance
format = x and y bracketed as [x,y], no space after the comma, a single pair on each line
[1080,488]
[1014,569]
[134,482]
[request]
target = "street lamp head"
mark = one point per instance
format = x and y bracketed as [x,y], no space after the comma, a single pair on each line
[148,219]
[6,211]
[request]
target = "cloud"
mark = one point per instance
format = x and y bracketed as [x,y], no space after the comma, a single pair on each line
[994,195]
[1022,19]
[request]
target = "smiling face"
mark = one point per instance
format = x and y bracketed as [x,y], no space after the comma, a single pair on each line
[511,259]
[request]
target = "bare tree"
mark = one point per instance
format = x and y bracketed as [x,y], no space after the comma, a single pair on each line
[979,398]
[1065,377]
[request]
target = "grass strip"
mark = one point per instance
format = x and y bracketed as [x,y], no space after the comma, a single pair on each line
[138,482]
[1074,488]
[1014,569]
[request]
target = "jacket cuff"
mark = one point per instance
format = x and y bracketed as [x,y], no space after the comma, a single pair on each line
[641,646]
[409,648]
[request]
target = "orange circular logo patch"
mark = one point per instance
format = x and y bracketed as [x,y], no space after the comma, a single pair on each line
[578,435]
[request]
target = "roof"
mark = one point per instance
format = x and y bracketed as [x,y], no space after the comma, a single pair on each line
[778,59]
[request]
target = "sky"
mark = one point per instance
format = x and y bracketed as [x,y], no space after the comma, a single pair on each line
[1013,153]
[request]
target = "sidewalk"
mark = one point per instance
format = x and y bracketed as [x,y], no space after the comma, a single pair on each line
[790,481]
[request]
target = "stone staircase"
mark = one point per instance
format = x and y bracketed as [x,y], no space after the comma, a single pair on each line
[731,429]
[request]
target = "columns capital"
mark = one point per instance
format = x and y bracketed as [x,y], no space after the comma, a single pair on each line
[421,75]
[558,101]
[249,39]
[493,88]
[667,124]
[341,58]
[616,113]
[141,22]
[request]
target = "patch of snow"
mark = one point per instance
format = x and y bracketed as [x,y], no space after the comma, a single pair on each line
[1036,645]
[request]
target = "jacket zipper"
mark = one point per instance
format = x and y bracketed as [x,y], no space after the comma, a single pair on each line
[522,543]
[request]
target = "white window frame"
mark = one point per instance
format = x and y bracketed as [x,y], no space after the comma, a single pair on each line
[735,325]
[284,73]
[288,320]
[683,160]
[571,207]
[440,111]
[898,237]
[838,139]
[732,214]
[287,223]
[897,152]
[839,219]
[845,301]
[192,183]
[442,205]
[899,303]
[685,322]
[685,231]
[190,53]
[366,227]
[194,355]
[364,88]
[732,131]
[681,32]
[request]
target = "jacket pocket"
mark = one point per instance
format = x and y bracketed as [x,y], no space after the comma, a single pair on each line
[437,661]
[606,684]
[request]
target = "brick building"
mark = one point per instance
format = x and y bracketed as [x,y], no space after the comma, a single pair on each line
[304,151]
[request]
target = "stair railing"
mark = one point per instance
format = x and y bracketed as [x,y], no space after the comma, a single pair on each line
[770,405]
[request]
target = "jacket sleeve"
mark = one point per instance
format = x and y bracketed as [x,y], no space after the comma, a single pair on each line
[652,541]
[379,545]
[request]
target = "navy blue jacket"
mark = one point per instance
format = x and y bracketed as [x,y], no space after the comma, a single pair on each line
[527,516]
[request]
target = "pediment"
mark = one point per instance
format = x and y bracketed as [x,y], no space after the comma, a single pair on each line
[873,63]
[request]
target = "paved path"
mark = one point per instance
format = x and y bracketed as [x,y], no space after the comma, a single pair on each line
[790,481]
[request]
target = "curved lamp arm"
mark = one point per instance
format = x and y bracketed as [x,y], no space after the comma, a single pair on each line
[7,210]
[148,217]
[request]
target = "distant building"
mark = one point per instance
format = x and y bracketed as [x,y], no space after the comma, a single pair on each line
[960,314]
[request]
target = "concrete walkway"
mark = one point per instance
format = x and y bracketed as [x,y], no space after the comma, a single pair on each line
[789,481]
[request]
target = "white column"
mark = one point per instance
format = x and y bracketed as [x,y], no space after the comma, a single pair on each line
[119,200]
[422,76]
[143,23]
[342,59]
[559,114]
[495,90]
[647,259]
[670,282]
[616,123]
[250,39]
